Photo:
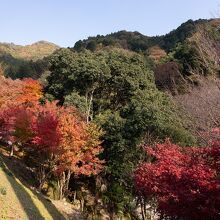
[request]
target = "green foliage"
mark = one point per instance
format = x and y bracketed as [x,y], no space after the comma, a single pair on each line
[179,35]
[187,56]
[116,89]
[123,39]
[155,113]
[74,99]
[191,60]
[212,29]
[137,42]
[18,68]
[197,51]
[117,197]
[28,69]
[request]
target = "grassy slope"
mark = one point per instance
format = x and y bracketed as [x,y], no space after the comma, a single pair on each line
[19,202]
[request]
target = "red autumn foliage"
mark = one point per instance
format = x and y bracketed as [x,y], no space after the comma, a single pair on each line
[9,91]
[7,124]
[60,131]
[15,124]
[46,128]
[57,138]
[66,144]
[72,141]
[184,181]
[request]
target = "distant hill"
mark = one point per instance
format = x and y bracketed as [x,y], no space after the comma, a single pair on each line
[191,49]
[25,61]
[33,52]
[137,42]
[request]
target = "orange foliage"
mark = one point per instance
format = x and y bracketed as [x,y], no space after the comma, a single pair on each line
[17,92]
[73,138]
[9,91]
[61,132]
[156,53]
[79,146]
[31,91]
[59,138]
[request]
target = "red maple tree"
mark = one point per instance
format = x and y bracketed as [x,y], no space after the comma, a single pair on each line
[65,144]
[184,181]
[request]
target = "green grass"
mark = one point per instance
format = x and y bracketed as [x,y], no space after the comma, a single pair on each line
[21,203]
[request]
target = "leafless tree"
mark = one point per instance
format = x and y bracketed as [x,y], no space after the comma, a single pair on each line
[202,106]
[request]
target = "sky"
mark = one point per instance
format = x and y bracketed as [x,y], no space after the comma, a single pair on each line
[64,22]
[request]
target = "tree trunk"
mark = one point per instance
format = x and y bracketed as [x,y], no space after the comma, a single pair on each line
[82,204]
[74,196]
[63,183]
[68,179]
[143,209]
[11,150]
[89,101]
[41,177]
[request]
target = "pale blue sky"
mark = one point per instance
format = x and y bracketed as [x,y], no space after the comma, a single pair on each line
[66,21]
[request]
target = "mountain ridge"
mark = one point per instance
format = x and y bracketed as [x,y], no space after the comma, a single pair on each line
[34,51]
[194,46]
[127,39]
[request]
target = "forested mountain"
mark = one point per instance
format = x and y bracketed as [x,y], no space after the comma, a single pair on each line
[177,58]
[33,52]
[137,42]
[193,47]
[25,61]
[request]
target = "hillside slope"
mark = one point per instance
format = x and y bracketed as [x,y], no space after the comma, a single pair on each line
[25,61]
[19,202]
[194,46]
[34,51]
[137,42]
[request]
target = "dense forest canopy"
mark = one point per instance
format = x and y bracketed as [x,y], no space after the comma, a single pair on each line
[116,90]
